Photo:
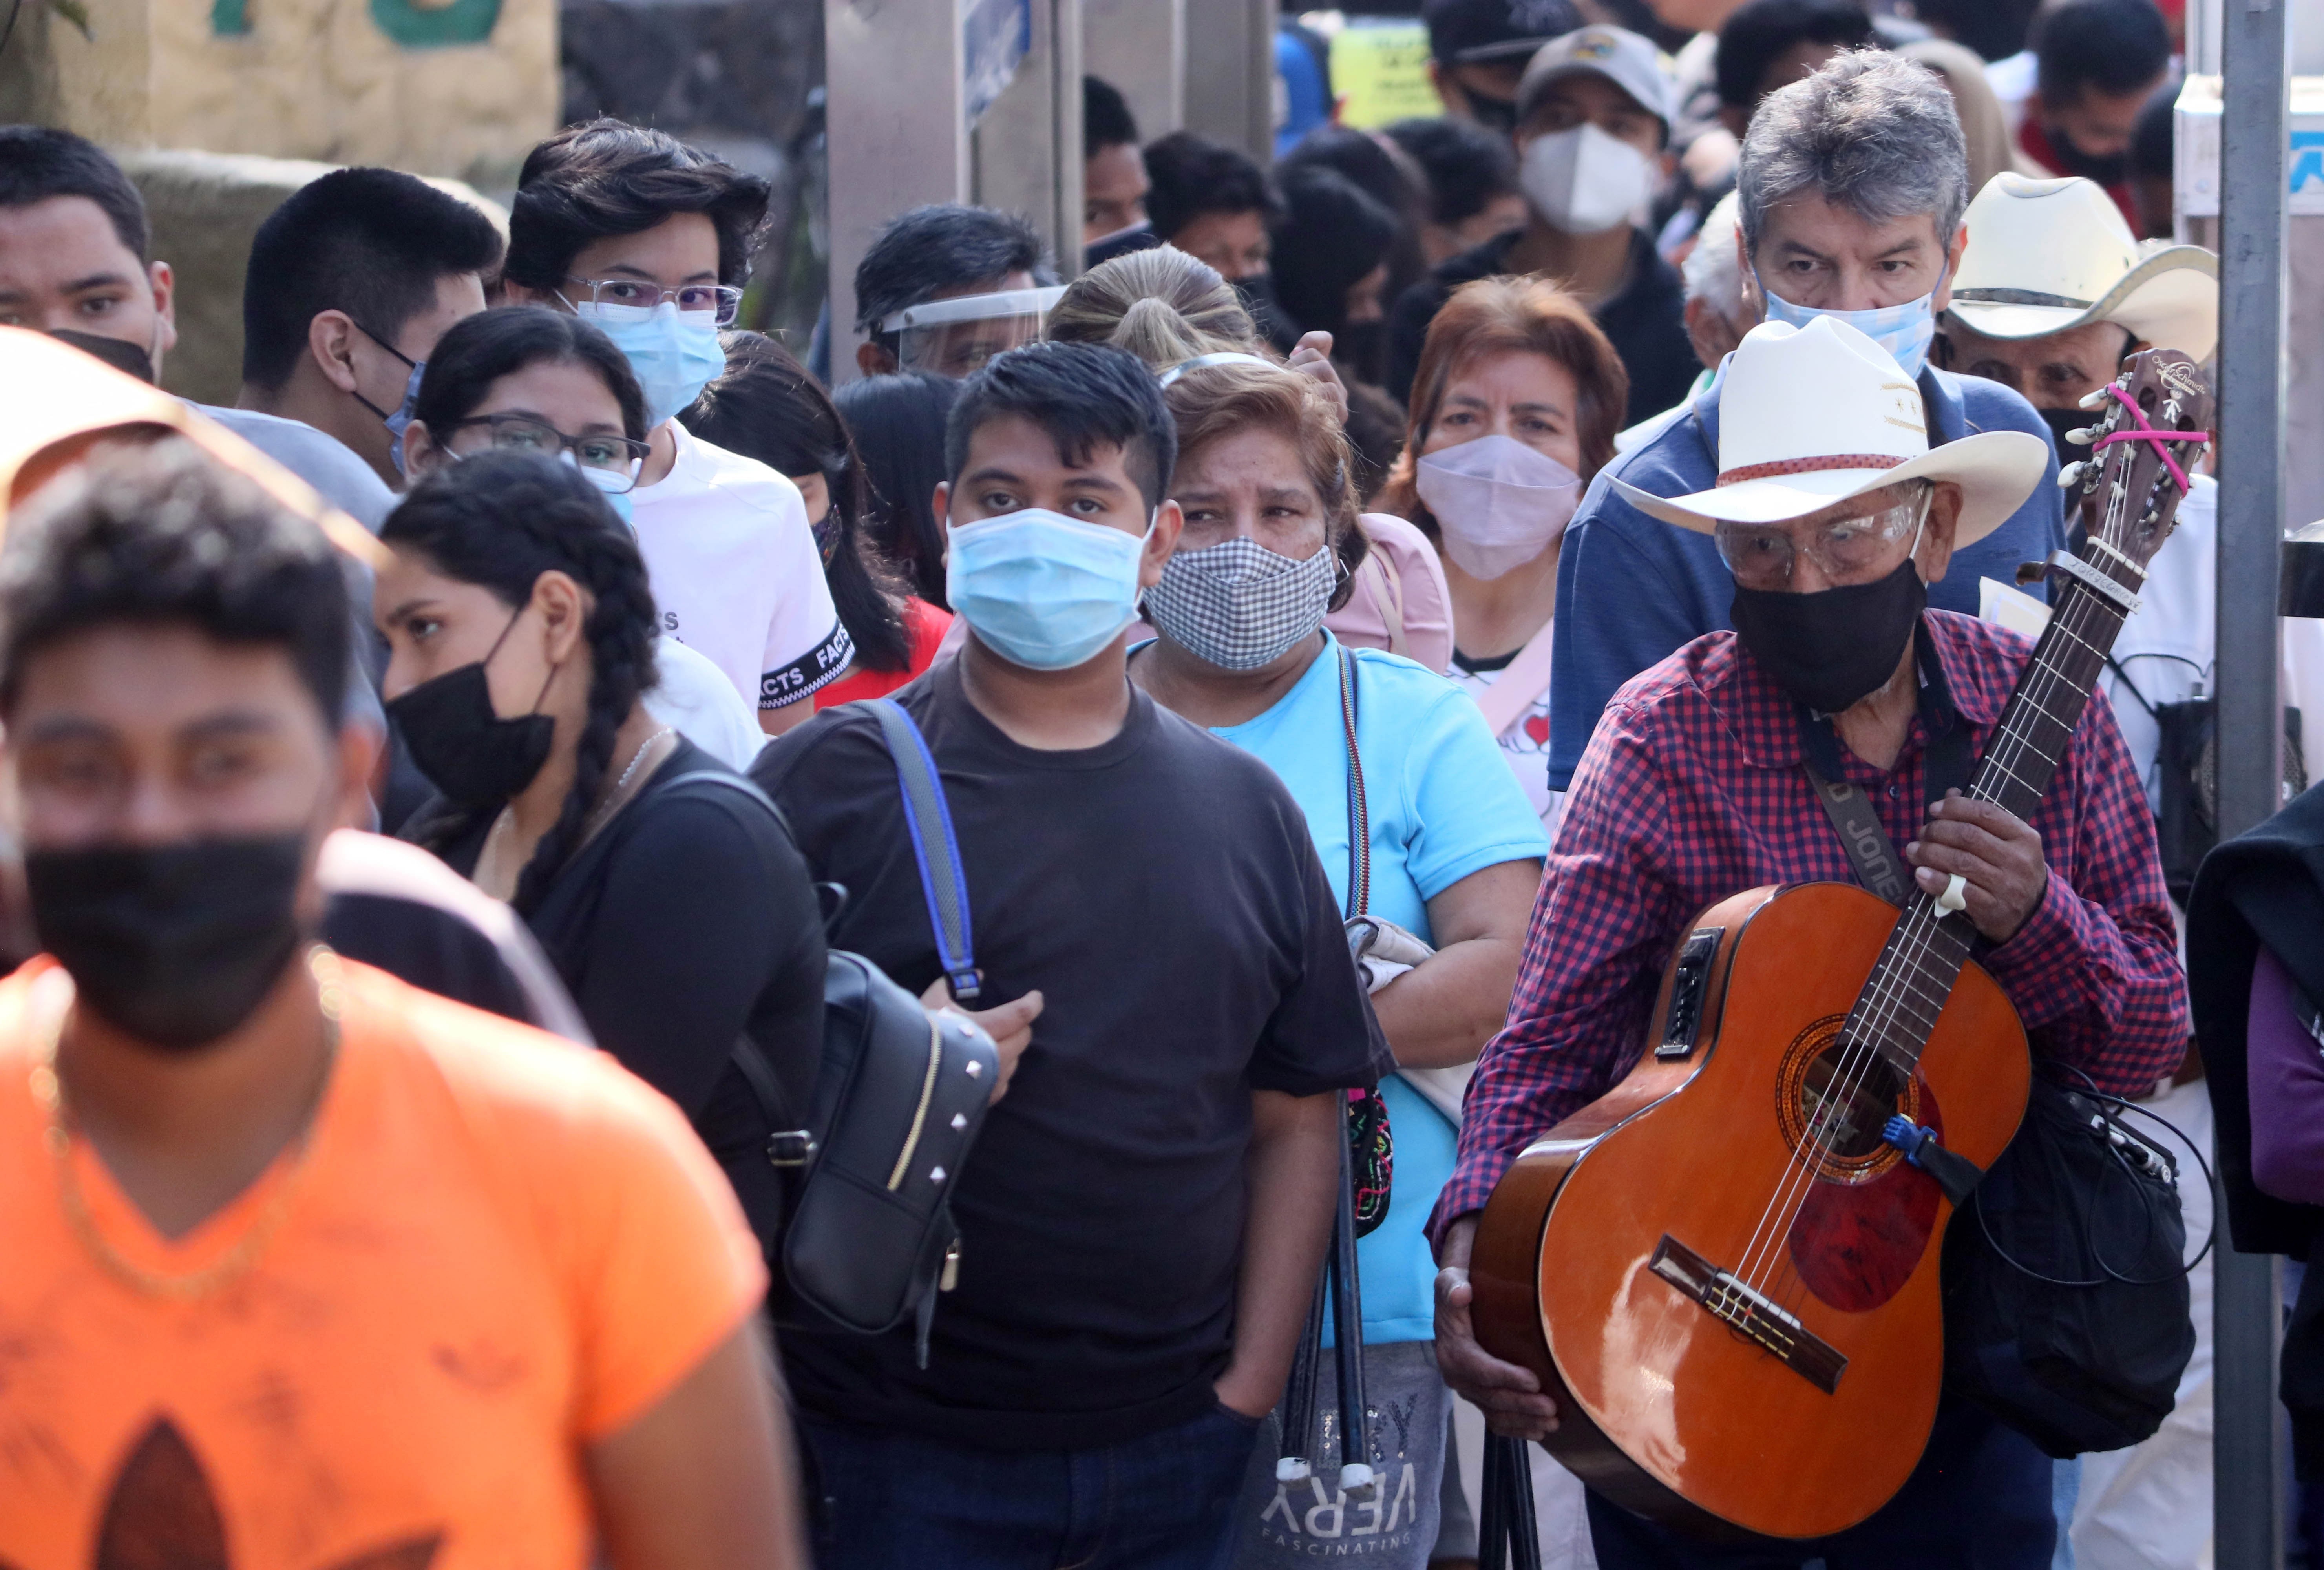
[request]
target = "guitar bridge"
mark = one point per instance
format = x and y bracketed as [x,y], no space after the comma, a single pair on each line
[1750,1313]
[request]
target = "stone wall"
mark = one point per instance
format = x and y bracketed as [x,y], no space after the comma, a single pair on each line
[205,207]
[439,86]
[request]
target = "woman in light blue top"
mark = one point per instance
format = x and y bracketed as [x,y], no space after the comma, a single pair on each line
[1456,858]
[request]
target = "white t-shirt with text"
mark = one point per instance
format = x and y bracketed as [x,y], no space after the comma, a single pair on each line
[737,573]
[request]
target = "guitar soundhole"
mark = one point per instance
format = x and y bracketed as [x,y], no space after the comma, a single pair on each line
[1847,1097]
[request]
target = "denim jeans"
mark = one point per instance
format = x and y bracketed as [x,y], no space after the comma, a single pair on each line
[890,1502]
[1979,1500]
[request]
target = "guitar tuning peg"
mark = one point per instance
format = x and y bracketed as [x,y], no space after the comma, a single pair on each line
[2094,401]
[2070,476]
[2084,437]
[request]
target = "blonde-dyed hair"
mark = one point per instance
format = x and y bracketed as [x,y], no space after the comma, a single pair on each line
[1161,305]
[1505,316]
[1223,400]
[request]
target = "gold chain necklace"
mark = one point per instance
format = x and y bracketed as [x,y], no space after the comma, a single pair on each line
[48,1094]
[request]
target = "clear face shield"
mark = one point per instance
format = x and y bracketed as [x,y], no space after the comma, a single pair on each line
[955,337]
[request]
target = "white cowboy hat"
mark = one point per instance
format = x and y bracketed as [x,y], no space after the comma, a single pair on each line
[2046,255]
[1811,415]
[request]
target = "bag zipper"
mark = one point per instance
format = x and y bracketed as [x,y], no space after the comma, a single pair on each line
[919,1114]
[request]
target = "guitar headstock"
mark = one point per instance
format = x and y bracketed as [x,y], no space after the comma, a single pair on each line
[2137,493]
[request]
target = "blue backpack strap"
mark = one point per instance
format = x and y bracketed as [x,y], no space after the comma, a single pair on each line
[934,847]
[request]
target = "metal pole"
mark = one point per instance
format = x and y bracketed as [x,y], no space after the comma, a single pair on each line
[1231,73]
[897,136]
[2246,1480]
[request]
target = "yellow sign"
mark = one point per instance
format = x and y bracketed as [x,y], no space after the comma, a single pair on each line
[1380,73]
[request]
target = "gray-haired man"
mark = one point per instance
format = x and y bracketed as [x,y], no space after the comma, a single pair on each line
[1852,184]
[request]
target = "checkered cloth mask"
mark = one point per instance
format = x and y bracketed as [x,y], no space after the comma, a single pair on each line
[1238,604]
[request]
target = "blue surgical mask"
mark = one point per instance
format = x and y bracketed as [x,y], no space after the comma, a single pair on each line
[1906,331]
[1042,590]
[605,480]
[402,417]
[675,354]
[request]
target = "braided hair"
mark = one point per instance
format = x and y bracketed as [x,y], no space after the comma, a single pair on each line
[499,520]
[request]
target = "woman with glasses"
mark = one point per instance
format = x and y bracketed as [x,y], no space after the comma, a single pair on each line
[528,381]
[650,241]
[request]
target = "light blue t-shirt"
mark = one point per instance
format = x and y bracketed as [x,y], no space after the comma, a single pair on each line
[1443,805]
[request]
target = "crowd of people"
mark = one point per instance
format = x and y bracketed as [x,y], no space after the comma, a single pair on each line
[1354,625]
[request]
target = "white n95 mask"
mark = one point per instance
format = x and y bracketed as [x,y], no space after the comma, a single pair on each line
[1583,180]
[1498,503]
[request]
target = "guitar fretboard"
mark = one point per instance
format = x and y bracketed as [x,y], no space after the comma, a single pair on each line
[1899,1005]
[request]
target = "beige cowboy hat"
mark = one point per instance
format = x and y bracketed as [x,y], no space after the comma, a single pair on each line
[2046,255]
[1811,415]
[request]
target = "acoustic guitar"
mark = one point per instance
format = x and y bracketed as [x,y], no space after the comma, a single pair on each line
[1722,1271]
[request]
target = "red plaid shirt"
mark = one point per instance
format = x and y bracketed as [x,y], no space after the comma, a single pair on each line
[1691,791]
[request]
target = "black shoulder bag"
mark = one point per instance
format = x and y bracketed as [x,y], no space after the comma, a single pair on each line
[868,1239]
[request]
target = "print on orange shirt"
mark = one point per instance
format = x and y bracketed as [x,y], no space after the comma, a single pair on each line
[159,1511]
[501,1248]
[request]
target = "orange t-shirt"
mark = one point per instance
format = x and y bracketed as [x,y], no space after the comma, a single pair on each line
[501,1247]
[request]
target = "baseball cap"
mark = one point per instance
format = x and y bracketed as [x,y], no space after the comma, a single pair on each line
[1475,31]
[1624,58]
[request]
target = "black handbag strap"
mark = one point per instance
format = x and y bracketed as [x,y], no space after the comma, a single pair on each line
[1360,823]
[786,1147]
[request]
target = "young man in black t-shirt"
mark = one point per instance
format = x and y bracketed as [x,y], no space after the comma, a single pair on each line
[1144,1212]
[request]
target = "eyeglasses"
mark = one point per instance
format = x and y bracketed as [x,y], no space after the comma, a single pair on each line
[1844,549]
[519,433]
[637,295]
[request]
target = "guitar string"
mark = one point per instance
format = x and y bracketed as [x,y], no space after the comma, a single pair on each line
[1879,1011]
[2042,683]
[1885,999]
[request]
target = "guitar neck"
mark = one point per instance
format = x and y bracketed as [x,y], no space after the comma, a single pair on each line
[1899,1005]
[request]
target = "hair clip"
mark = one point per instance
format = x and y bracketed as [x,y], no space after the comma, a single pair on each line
[1203,361]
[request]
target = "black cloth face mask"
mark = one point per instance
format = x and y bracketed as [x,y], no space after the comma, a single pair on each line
[2061,421]
[2110,171]
[461,743]
[1495,115]
[1831,648]
[177,944]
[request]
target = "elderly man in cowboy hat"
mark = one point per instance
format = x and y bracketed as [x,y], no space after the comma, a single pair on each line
[2053,291]
[1851,187]
[1832,516]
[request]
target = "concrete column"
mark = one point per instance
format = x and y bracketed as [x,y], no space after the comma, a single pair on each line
[1231,73]
[1141,47]
[1025,153]
[898,137]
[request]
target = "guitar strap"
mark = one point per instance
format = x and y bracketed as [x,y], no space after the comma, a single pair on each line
[1870,853]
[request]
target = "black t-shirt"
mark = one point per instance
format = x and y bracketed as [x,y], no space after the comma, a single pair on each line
[1646,321]
[1162,894]
[687,923]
